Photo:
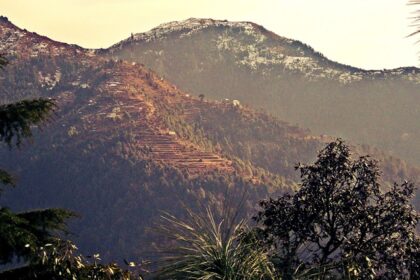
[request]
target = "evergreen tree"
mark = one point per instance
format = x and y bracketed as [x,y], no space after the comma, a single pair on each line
[32,235]
[19,232]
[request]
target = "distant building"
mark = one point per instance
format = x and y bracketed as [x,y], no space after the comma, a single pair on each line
[234,102]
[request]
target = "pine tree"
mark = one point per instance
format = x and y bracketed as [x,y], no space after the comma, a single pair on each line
[21,232]
[32,235]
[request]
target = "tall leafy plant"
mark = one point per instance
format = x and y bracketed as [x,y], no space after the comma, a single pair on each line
[416,17]
[342,222]
[206,248]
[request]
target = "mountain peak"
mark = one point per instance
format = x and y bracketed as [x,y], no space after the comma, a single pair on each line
[4,19]
[187,28]
[15,40]
[200,23]
[257,49]
[190,22]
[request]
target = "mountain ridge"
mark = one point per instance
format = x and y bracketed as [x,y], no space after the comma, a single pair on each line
[126,143]
[192,25]
[29,48]
[233,60]
[118,150]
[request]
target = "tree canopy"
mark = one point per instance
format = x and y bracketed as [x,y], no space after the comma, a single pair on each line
[342,219]
[19,232]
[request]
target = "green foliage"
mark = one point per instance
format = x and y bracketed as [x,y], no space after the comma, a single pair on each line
[21,231]
[3,62]
[211,249]
[17,230]
[257,138]
[125,193]
[340,215]
[59,261]
[16,119]
[6,178]
[31,236]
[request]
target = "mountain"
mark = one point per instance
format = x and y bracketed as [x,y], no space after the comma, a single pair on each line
[244,61]
[125,144]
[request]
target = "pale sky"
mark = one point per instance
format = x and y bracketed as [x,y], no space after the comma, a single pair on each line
[370,34]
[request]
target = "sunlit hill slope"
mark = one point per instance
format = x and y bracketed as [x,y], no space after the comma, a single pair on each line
[244,61]
[125,144]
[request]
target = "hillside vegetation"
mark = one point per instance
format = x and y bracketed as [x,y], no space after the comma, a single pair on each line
[125,144]
[244,61]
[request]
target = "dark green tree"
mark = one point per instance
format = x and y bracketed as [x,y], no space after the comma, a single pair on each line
[59,261]
[342,222]
[32,236]
[19,232]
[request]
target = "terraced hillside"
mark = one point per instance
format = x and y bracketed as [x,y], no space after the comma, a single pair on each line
[135,110]
[244,61]
[109,153]
[125,144]
[129,86]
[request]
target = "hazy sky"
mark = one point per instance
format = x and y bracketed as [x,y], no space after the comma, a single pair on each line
[364,33]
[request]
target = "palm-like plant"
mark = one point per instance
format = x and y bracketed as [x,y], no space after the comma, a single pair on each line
[207,249]
[415,18]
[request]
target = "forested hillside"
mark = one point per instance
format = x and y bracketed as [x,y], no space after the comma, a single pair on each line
[125,144]
[244,61]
